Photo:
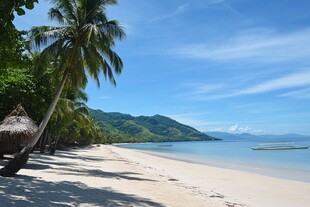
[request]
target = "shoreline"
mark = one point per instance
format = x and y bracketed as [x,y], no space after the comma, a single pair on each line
[259,169]
[239,187]
[114,176]
[280,164]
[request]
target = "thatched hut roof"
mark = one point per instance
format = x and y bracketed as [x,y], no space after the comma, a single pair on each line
[16,129]
[18,122]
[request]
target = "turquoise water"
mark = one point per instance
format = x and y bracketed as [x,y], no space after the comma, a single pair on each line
[288,164]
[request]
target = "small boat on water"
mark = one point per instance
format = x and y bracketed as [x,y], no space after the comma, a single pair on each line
[164,145]
[278,146]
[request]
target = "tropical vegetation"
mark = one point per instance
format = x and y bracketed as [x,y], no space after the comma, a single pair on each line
[79,48]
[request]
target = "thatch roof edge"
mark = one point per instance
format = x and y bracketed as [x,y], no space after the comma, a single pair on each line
[19,111]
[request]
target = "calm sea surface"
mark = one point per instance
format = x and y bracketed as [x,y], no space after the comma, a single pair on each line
[288,164]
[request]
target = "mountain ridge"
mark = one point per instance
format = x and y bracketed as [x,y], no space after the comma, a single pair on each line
[119,127]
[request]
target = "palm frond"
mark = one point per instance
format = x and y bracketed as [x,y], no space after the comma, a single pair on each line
[115,60]
[92,62]
[76,67]
[105,67]
[45,35]
[91,33]
[50,53]
[81,96]
[109,2]
[113,28]
[82,109]
[68,8]
[55,14]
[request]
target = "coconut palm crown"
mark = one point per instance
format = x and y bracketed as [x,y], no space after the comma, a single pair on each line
[83,42]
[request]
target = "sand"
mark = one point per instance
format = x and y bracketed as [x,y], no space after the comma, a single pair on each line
[113,176]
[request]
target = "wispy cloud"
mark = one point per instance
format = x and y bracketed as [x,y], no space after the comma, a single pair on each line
[186,7]
[299,94]
[262,107]
[199,89]
[255,44]
[209,88]
[178,11]
[291,81]
[288,81]
[103,97]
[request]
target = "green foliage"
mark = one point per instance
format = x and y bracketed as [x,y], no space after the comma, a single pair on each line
[12,43]
[125,128]
[28,86]
[33,88]
[32,80]
[16,85]
[70,120]
[12,48]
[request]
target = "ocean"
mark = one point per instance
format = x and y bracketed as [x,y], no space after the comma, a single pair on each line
[238,155]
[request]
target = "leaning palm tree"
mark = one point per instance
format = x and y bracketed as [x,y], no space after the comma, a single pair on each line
[82,45]
[71,108]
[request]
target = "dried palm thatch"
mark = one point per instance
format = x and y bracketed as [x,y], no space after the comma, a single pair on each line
[16,130]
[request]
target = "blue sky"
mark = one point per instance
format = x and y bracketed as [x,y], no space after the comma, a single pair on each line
[225,65]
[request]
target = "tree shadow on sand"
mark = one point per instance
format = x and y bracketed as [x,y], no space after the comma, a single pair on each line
[30,191]
[75,156]
[76,168]
[101,174]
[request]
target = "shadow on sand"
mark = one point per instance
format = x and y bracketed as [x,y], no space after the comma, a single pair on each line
[76,168]
[30,191]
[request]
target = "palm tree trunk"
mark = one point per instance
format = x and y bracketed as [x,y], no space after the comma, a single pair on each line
[44,139]
[54,144]
[20,159]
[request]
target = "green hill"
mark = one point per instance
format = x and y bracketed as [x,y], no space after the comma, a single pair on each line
[120,127]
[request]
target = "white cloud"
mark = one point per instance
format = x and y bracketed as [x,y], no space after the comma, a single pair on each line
[257,44]
[235,129]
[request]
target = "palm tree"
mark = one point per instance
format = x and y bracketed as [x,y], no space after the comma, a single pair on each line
[70,109]
[82,45]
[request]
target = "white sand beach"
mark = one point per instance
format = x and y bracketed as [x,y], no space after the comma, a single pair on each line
[113,176]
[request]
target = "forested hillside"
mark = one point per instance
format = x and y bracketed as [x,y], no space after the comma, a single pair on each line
[120,127]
